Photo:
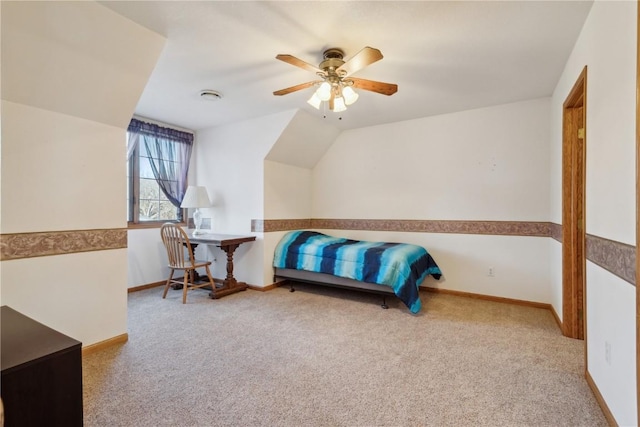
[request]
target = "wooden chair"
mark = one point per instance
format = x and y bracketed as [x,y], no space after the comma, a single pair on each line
[176,241]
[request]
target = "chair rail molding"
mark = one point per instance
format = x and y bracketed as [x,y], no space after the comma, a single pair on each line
[47,243]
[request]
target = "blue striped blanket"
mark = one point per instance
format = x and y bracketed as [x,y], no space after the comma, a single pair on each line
[398,265]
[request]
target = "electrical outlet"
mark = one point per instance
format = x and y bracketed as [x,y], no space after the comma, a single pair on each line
[491,272]
[607,352]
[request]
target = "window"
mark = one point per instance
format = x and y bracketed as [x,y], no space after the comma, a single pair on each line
[146,200]
[157,166]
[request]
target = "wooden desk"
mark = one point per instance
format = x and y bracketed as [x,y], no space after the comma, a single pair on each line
[228,243]
[41,374]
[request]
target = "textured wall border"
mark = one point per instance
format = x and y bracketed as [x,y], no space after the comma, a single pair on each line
[506,228]
[30,245]
[269,225]
[496,228]
[615,257]
[555,231]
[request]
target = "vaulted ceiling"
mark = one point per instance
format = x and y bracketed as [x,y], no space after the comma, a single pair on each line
[445,56]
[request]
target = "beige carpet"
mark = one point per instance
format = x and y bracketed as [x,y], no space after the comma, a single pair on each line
[327,357]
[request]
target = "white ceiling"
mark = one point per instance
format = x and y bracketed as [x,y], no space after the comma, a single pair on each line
[445,56]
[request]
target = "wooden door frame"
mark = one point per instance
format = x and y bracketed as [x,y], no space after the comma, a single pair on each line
[573,212]
[637,210]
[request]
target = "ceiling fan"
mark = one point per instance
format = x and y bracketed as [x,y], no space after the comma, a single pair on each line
[336,86]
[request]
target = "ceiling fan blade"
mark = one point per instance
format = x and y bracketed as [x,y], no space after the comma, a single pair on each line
[298,63]
[366,56]
[373,86]
[295,88]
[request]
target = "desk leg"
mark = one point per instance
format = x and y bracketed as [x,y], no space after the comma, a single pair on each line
[230,284]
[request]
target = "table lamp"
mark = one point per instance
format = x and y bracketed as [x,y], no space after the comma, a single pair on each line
[196,197]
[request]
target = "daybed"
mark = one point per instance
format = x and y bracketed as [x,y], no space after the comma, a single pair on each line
[378,267]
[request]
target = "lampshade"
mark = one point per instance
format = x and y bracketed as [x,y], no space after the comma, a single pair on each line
[339,94]
[314,101]
[324,91]
[350,96]
[196,197]
[338,104]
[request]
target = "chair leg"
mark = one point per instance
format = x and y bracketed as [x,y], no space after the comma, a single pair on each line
[211,282]
[166,287]
[187,273]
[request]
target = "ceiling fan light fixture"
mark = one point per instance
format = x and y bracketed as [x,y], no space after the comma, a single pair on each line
[324,91]
[350,96]
[336,86]
[314,101]
[339,105]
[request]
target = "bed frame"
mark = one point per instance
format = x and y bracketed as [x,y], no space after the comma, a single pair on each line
[329,280]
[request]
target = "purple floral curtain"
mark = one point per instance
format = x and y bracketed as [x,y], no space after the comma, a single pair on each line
[169,152]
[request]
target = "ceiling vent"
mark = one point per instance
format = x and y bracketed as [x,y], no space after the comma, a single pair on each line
[210,95]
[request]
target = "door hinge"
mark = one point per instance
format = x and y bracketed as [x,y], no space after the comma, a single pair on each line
[581,133]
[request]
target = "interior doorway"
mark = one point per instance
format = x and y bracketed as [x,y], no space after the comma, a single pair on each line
[573,214]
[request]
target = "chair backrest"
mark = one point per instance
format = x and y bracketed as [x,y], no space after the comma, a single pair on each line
[176,241]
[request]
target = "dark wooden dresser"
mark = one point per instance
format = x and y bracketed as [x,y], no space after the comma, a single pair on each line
[41,382]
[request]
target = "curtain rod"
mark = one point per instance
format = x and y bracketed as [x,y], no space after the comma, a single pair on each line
[159,123]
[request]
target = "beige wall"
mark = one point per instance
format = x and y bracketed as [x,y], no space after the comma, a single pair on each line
[71,75]
[287,191]
[229,161]
[490,164]
[607,46]
[62,172]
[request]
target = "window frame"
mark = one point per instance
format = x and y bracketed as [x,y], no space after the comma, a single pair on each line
[133,201]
